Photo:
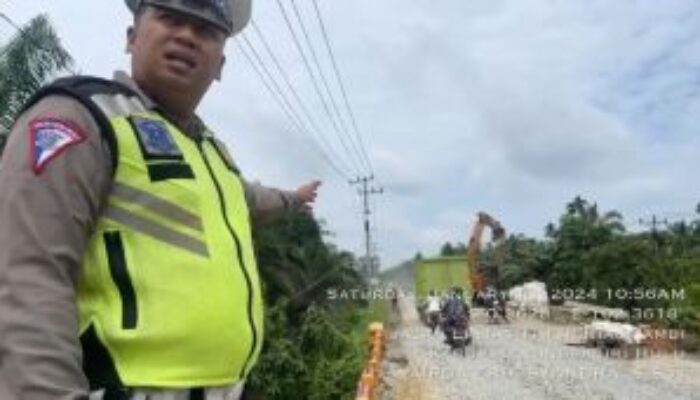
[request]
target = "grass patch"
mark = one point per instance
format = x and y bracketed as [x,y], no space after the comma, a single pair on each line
[379,310]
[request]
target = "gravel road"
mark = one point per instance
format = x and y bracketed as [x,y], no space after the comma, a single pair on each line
[526,359]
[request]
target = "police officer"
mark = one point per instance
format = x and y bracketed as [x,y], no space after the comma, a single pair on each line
[126,262]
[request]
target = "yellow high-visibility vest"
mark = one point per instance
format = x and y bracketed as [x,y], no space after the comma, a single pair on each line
[169,294]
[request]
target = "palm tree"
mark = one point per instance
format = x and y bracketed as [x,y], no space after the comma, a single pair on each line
[613,222]
[32,57]
[578,206]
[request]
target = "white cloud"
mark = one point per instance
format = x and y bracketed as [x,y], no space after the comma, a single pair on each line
[511,106]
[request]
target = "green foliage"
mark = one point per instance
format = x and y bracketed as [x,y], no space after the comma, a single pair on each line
[32,57]
[297,265]
[447,250]
[588,250]
[334,359]
[281,367]
[320,359]
[693,293]
[689,310]
[523,260]
[591,251]
[379,310]
[312,347]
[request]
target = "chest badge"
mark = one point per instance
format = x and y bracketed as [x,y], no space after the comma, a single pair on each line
[155,139]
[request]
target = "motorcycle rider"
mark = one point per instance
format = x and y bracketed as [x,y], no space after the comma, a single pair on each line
[433,310]
[457,313]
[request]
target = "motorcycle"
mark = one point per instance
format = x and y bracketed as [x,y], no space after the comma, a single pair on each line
[497,310]
[502,311]
[433,321]
[491,312]
[458,335]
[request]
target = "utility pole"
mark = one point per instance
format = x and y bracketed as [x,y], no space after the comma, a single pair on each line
[370,269]
[653,223]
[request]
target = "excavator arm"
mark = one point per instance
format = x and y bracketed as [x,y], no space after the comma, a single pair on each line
[498,235]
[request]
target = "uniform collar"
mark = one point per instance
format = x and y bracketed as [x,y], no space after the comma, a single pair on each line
[193,128]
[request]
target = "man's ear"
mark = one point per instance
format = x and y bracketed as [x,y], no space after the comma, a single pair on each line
[130,36]
[221,68]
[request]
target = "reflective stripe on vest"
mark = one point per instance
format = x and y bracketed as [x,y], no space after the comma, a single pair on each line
[169,284]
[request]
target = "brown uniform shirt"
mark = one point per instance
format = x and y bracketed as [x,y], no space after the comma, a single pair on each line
[46,221]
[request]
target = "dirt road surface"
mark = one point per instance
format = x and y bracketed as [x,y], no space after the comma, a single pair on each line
[526,359]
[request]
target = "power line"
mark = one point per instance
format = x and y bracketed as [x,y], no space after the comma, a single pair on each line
[313,77]
[280,99]
[295,94]
[270,83]
[333,103]
[338,76]
[287,112]
[14,25]
[10,21]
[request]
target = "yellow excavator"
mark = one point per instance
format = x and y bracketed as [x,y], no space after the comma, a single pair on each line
[481,277]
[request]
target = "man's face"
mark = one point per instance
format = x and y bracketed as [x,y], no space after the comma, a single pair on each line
[174,51]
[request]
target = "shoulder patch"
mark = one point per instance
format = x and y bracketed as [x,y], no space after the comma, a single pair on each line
[49,137]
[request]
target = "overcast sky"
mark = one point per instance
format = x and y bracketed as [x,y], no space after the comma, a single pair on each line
[511,107]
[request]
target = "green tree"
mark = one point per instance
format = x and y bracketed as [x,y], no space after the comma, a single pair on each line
[524,260]
[591,250]
[296,264]
[623,263]
[33,56]
[581,229]
[447,249]
[309,349]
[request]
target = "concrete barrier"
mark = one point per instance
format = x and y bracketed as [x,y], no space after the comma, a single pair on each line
[371,376]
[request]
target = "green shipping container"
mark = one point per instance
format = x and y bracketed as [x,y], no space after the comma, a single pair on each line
[440,274]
